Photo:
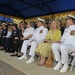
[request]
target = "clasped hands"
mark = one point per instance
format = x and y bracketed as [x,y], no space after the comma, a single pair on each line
[51,41]
[47,41]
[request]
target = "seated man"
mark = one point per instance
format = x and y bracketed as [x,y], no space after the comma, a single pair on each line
[65,45]
[3,34]
[38,36]
[14,36]
[7,36]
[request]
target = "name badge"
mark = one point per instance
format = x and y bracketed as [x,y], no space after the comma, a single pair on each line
[41,31]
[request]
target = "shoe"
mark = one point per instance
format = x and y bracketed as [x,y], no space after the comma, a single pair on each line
[13,55]
[19,56]
[31,60]
[40,64]
[6,51]
[64,68]
[2,49]
[10,51]
[58,66]
[22,57]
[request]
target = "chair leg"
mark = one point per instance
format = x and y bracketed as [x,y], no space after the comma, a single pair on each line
[71,59]
[72,63]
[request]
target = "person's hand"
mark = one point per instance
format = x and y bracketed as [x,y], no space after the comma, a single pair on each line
[9,37]
[16,38]
[45,40]
[58,42]
[4,36]
[22,38]
[32,40]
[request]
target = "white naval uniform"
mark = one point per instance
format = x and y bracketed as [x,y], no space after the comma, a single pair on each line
[38,37]
[67,46]
[28,31]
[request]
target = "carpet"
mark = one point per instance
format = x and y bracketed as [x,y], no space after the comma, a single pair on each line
[6,69]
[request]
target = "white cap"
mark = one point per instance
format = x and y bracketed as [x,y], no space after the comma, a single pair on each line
[71,16]
[3,24]
[41,19]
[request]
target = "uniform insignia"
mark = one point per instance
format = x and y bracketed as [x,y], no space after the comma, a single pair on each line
[4,32]
[72,33]
[41,31]
[15,32]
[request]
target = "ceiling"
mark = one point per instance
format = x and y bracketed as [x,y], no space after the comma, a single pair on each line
[33,8]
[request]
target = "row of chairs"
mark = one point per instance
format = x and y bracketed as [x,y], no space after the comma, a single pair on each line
[72,63]
[71,59]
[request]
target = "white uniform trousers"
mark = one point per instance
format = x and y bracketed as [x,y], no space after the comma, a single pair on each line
[33,45]
[61,51]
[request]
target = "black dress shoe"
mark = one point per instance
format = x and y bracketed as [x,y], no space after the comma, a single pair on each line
[2,49]
[10,51]
[14,55]
[7,51]
[18,55]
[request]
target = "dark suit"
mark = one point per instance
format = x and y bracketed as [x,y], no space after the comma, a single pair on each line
[0,38]
[20,41]
[20,33]
[4,32]
[3,39]
[12,43]
[15,33]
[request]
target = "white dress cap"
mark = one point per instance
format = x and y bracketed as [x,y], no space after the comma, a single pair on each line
[3,24]
[41,19]
[71,16]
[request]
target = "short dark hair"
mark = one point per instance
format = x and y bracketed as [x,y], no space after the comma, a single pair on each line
[73,20]
[14,25]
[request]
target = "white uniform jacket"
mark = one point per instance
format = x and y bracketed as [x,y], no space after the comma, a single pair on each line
[69,36]
[39,34]
[28,31]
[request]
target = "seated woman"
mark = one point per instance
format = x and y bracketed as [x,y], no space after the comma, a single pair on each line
[44,48]
[27,34]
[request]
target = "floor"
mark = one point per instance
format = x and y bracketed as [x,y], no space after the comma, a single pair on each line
[6,69]
[30,69]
